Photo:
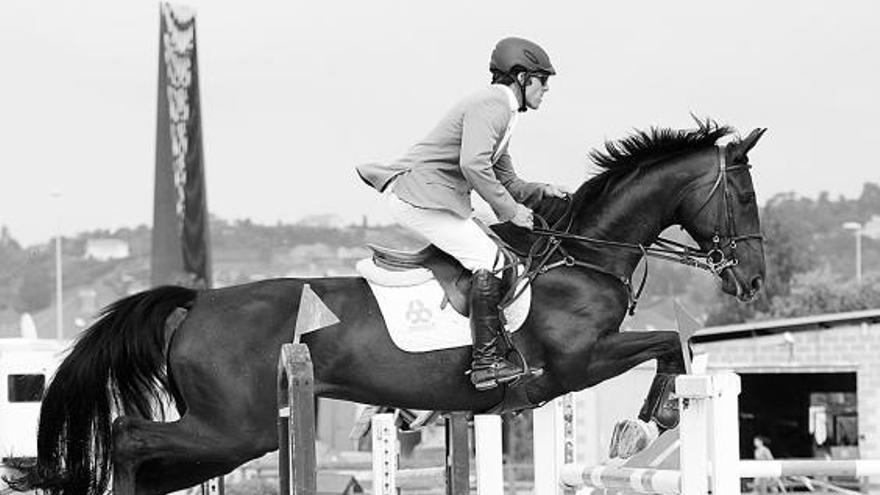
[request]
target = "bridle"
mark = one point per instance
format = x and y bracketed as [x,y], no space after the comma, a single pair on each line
[716,261]
[713,260]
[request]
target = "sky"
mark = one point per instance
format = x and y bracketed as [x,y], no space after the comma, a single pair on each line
[296,94]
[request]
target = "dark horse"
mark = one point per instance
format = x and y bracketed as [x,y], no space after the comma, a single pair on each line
[219,365]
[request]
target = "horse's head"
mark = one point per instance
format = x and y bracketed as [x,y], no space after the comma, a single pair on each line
[720,212]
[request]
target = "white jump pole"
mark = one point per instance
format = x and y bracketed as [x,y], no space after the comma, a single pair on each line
[709,450]
[709,433]
[554,444]
[385,458]
[694,392]
[855,468]
[488,454]
[709,443]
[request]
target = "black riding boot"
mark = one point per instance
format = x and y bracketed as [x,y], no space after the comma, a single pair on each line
[488,368]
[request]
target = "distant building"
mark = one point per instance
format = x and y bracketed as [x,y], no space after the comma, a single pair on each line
[809,384]
[107,249]
[327,220]
[872,227]
[355,253]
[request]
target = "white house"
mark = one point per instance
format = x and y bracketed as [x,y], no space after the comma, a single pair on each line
[106,249]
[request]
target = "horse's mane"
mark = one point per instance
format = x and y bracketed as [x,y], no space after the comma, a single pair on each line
[638,151]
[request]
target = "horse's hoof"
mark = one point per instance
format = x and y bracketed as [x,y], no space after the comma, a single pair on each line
[630,437]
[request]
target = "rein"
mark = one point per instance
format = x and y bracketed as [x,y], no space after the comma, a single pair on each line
[713,260]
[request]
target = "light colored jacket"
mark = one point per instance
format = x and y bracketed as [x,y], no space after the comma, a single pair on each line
[465,151]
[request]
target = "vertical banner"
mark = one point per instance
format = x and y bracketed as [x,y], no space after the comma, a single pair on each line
[181,251]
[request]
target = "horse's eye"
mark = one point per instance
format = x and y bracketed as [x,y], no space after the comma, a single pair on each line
[746,198]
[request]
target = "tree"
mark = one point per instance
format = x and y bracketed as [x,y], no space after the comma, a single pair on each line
[819,292]
[35,292]
[12,258]
[869,201]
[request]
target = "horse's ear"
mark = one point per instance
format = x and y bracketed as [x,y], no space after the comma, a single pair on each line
[744,146]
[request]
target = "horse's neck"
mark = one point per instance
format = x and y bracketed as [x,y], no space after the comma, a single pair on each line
[636,213]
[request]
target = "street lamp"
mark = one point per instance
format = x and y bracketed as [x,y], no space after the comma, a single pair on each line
[857,228]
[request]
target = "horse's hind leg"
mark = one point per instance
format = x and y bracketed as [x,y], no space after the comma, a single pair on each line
[151,457]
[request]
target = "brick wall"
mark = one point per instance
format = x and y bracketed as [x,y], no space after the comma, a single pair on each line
[840,348]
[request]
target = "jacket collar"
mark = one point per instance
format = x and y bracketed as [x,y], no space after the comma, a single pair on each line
[511,98]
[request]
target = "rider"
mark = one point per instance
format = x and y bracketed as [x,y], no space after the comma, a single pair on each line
[428,189]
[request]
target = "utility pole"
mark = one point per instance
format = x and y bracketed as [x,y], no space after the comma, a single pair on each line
[59,286]
[857,228]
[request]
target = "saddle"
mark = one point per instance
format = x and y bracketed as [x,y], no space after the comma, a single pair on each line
[452,276]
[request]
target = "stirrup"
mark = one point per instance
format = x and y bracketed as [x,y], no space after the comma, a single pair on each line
[528,373]
[525,375]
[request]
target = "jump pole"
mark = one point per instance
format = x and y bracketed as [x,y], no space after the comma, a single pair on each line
[856,468]
[488,454]
[709,441]
[709,451]
[709,433]
[553,444]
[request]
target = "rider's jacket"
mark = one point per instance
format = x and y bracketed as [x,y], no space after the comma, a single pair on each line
[466,150]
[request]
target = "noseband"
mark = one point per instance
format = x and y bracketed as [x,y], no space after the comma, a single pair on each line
[714,260]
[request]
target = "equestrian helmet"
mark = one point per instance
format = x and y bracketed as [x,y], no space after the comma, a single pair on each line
[512,52]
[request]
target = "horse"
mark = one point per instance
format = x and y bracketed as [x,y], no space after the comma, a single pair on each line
[217,359]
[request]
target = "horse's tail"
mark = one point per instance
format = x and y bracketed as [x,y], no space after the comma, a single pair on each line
[116,365]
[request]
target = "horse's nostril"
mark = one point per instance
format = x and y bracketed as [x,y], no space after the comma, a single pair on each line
[757,283]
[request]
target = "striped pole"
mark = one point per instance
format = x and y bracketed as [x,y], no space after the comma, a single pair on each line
[808,467]
[665,481]
[709,463]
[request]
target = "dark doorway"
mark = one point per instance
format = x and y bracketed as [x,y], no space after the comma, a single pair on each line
[778,407]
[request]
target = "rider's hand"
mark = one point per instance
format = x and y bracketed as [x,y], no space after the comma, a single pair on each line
[523,217]
[554,191]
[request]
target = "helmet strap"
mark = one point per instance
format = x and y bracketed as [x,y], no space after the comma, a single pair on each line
[522,91]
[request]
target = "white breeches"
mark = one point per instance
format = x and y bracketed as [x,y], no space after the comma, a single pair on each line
[460,237]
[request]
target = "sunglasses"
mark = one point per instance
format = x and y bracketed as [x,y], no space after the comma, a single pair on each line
[541,77]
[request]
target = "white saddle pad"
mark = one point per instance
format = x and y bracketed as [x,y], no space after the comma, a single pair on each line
[416,323]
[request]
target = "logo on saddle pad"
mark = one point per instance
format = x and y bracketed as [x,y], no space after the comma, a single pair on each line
[415,320]
[418,315]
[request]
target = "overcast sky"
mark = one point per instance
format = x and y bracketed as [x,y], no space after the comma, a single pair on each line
[295,94]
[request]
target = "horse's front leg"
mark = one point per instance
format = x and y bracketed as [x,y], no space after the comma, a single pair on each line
[660,405]
[617,353]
